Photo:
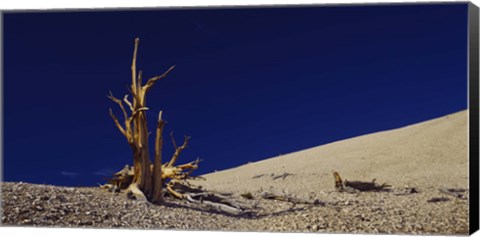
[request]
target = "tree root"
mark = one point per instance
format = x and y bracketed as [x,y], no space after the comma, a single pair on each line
[136,192]
[178,188]
[212,201]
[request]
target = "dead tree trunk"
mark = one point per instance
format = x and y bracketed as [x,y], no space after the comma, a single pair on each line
[146,180]
[157,164]
[147,183]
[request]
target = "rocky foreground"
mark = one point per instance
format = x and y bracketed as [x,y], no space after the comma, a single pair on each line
[399,210]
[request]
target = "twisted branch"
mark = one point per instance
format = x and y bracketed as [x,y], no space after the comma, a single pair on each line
[152,80]
[178,151]
[119,102]
[119,126]
[125,99]
[173,140]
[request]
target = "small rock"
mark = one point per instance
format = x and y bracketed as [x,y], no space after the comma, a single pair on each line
[26,221]
[87,223]
[61,198]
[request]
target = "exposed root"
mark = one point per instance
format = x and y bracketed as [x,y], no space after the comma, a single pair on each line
[178,188]
[213,201]
[173,192]
[136,192]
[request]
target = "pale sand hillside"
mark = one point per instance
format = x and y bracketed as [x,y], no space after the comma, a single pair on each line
[430,154]
[425,156]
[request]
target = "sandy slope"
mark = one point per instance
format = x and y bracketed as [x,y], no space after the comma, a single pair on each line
[431,154]
[425,156]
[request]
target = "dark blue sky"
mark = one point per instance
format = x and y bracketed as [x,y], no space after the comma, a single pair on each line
[249,83]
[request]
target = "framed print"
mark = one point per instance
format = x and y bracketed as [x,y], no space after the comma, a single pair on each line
[348,118]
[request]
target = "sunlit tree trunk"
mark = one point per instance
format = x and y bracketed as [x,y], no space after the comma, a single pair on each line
[147,182]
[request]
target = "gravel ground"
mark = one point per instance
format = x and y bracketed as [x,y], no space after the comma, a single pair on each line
[26,204]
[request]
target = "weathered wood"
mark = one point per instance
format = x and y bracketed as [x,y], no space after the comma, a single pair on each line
[366,186]
[357,186]
[157,165]
[456,192]
[135,130]
[405,191]
[219,207]
[145,180]
[178,150]
[283,176]
[289,198]
[258,176]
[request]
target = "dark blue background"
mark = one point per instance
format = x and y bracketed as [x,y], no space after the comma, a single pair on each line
[249,83]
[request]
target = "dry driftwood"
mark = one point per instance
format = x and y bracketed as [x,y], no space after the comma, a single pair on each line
[456,192]
[289,198]
[258,176]
[405,191]
[213,201]
[357,186]
[283,176]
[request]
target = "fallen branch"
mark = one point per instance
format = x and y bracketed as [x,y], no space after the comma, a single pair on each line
[283,176]
[289,198]
[215,206]
[178,150]
[456,192]
[405,191]
[366,186]
[210,200]
[357,186]
[258,176]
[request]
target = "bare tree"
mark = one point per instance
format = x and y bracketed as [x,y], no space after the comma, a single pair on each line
[148,178]
[145,180]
